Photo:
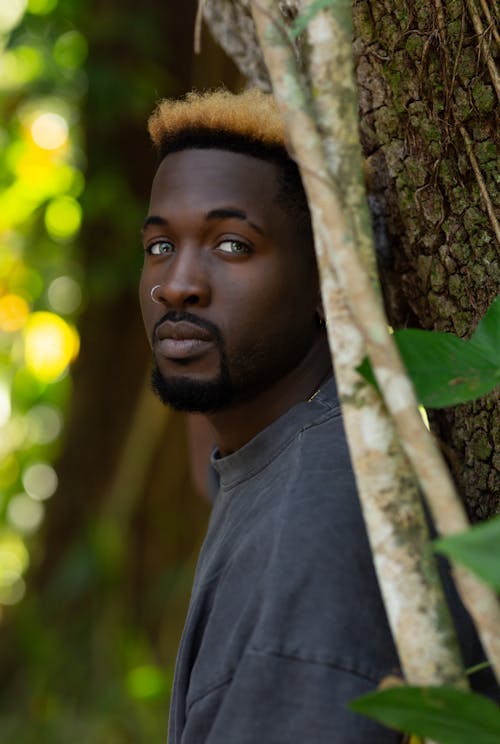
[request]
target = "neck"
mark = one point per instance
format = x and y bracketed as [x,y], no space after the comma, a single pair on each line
[237,425]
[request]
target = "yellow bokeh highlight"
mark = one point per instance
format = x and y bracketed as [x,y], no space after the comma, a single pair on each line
[45,174]
[14,311]
[37,169]
[16,205]
[14,557]
[50,345]
[49,131]
[63,218]
[19,66]
[11,13]
[41,7]
[9,466]
[5,404]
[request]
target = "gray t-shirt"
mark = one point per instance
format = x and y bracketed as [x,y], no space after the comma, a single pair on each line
[286,623]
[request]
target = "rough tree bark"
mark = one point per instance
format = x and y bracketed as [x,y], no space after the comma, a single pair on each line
[427,121]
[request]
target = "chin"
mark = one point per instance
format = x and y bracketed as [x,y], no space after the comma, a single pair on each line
[192,395]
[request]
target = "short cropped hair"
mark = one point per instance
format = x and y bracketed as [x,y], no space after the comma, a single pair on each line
[247,123]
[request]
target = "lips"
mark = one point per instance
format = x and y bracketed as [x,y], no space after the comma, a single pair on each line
[181,340]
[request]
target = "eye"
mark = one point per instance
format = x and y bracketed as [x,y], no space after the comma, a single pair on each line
[234,247]
[160,248]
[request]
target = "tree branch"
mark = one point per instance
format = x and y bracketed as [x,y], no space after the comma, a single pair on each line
[480,31]
[340,260]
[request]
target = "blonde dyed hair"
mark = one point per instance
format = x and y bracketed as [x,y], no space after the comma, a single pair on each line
[247,123]
[252,115]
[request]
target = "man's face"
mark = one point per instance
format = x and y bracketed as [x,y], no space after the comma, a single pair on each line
[236,293]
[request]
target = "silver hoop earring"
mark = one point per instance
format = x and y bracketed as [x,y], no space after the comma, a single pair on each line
[152,293]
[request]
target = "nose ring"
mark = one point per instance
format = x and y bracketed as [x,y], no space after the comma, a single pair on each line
[152,293]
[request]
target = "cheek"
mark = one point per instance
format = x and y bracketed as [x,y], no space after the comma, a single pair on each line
[262,309]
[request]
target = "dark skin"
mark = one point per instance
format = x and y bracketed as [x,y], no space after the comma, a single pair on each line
[219,245]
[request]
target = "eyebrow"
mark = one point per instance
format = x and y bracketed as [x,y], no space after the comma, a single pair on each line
[231,213]
[222,213]
[153,220]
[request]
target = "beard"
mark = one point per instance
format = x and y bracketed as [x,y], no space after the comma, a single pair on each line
[241,376]
[194,396]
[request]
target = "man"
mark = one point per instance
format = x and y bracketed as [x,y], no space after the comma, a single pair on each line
[286,623]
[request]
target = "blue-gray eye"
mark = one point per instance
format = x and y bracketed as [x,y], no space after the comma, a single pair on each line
[233,247]
[160,247]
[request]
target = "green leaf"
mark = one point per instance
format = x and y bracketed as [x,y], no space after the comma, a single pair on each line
[487,334]
[478,549]
[365,369]
[447,370]
[445,714]
[300,23]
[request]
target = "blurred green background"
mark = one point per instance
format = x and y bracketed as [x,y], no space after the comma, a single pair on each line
[99,520]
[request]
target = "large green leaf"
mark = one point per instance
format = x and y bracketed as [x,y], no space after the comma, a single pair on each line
[447,370]
[478,549]
[445,714]
[487,334]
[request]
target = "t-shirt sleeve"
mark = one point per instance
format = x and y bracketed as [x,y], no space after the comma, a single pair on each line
[281,700]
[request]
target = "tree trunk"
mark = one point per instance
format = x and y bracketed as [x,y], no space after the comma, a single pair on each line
[427,121]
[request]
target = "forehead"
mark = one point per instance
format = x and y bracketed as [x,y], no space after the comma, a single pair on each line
[209,177]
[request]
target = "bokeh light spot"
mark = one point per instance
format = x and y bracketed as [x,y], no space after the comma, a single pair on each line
[49,131]
[41,7]
[14,558]
[146,682]
[11,12]
[11,593]
[9,471]
[44,423]
[13,435]
[14,311]
[5,407]
[40,481]
[63,217]
[24,513]
[70,50]
[19,66]
[64,294]
[50,344]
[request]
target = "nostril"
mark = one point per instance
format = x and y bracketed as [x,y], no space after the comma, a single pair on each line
[192,300]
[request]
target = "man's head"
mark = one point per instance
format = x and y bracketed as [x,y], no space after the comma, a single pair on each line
[247,123]
[229,289]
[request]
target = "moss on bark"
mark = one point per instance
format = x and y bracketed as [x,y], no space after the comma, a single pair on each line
[423,80]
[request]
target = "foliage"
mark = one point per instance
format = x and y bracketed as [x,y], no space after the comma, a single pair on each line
[41,178]
[478,549]
[447,370]
[444,714]
[80,660]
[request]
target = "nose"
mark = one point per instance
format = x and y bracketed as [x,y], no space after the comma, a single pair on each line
[184,282]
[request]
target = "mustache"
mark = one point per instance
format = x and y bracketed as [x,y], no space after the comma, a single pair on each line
[176,316]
